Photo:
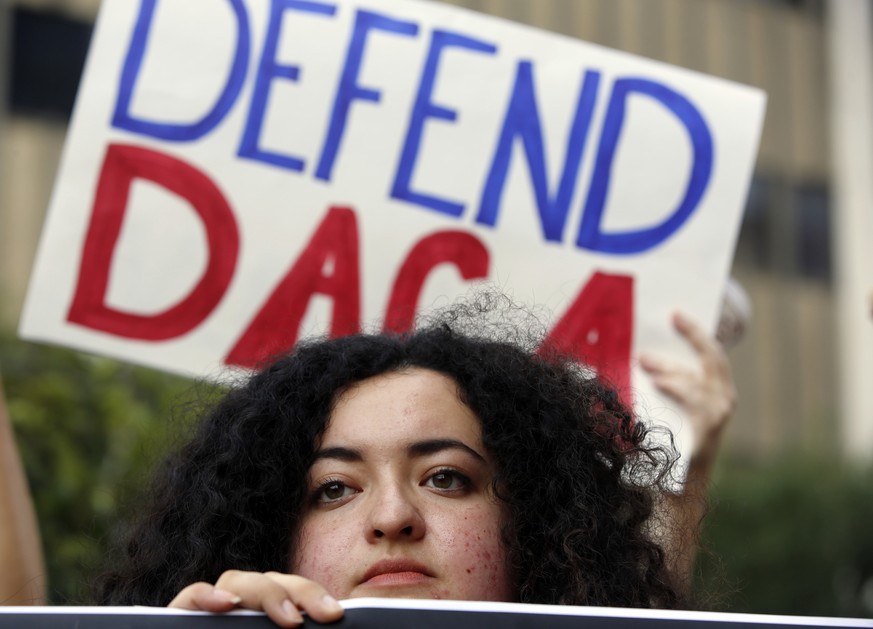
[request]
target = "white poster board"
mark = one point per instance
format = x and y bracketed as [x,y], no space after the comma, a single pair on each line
[239,174]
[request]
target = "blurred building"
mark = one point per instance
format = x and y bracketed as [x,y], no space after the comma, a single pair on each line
[788,367]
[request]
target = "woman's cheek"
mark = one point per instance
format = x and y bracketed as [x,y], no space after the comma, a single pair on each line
[323,556]
[483,566]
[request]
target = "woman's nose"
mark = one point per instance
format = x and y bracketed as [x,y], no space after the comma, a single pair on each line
[394,515]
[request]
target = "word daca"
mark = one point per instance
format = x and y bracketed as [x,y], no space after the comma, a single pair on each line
[596,328]
[521,123]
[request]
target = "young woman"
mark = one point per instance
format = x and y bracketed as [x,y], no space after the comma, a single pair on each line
[436,464]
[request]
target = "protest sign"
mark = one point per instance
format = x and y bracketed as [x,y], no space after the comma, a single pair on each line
[386,613]
[240,174]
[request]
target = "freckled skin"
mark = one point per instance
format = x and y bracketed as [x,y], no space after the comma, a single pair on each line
[392,503]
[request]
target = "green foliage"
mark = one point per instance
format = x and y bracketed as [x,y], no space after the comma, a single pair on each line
[89,430]
[791,536]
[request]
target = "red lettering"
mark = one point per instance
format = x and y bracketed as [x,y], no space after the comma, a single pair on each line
[123,164]
[328,266]
[597,329]
[464,250]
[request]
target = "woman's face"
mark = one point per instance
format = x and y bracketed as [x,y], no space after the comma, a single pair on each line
[400,497]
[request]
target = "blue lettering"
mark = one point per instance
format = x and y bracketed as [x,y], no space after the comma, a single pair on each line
[423,109]
[175,132]
[523,121]
[635,241]
[268,70]
[349,90]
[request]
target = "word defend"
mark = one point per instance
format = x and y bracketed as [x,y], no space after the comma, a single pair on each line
[521,122]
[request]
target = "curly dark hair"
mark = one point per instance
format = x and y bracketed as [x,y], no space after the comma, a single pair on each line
[575,470]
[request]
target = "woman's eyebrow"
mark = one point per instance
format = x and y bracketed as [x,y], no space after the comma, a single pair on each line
[417,449]
[343,454]
[432,446]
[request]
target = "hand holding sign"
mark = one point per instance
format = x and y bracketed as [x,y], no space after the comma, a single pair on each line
[706,392]
[706,395]
[281,596]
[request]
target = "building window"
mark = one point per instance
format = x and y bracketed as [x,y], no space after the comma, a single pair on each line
[47,57]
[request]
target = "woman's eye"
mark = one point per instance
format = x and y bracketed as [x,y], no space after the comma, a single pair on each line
[448,480]
[333,491]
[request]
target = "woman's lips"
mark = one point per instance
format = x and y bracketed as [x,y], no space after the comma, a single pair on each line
[395,573]
[397,579]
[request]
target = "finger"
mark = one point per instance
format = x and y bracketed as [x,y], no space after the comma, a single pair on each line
[712,354]
[205,597]
[282,596]
[679,385]
[259,592]
[650,362]
[699,339]
[309,596]
[656,363]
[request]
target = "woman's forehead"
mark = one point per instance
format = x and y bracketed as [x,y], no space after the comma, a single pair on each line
[400,406]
